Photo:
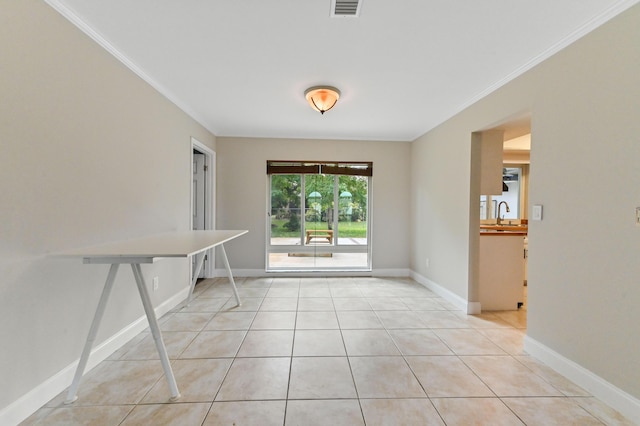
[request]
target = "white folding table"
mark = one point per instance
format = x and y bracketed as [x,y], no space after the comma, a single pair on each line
[147,250]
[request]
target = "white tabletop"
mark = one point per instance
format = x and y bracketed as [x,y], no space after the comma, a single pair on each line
[145,249]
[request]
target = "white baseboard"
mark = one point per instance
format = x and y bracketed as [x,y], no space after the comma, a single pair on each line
[397,272]
[400,272]
[449,296]
[30,402]
[240,273]
[616,398]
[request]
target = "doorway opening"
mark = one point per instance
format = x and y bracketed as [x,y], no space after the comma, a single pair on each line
[499,251]
[202,217]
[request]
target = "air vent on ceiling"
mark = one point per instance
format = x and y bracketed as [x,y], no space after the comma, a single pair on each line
[345,8]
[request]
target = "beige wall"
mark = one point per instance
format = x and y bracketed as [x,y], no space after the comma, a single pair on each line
[88,153]
[242,192]
[583,266]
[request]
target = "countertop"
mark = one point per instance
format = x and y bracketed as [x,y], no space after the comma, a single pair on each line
[503,230]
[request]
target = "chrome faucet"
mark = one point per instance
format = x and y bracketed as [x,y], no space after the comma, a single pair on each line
[499,220]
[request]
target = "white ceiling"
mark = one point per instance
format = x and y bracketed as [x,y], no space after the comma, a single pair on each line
[240,67]
[521,143]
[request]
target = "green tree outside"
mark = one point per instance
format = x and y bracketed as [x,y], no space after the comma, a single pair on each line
[286,216]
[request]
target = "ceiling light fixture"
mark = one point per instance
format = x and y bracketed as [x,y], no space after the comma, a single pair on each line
[322,98]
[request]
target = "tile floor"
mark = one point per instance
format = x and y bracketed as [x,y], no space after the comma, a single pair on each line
[329,351]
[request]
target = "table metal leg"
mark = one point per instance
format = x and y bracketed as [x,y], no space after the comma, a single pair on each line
[199,262]
[155,331]
[82,364]
[229,274]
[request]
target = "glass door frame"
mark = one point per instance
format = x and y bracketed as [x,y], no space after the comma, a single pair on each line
[334,248]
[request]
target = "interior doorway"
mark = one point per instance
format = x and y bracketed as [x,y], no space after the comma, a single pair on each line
[516,135]
[202,210]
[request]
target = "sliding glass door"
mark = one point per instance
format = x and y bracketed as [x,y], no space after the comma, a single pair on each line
[319,221]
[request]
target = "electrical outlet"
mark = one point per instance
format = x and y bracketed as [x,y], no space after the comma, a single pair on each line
[156,283]
[637,216]
[427,262]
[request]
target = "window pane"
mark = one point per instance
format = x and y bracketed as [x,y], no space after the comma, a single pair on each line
[485,211]
[285,209]
[512,178]
[352,210]
[318,218]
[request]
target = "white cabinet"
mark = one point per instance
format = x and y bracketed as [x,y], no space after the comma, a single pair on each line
[501,271]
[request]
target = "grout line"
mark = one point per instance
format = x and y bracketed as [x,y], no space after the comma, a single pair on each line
[353,378]
[295,326]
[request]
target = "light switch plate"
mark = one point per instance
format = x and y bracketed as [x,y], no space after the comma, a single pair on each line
[537,212]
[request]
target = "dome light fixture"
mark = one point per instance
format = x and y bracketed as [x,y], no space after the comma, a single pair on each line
[322,98]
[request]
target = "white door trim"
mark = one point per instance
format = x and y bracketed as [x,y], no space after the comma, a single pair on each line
[210,198]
